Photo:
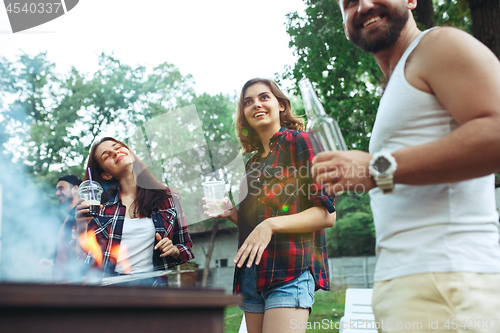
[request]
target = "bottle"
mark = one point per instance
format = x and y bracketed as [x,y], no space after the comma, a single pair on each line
[323,130]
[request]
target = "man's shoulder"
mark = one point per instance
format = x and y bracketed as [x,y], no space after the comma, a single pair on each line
[443,36]
[440,55]
[445,32]
[446,44]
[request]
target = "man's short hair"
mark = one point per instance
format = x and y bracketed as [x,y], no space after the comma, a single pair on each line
[72,179]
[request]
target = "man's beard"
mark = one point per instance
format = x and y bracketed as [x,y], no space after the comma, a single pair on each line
[66,200]
[395,23]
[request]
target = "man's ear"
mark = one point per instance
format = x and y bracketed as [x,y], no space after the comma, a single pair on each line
[412,4]
[74,190]
[106,176]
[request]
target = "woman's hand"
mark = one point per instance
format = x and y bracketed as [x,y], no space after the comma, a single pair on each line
[230,212]
[255,244]
[166,246]
[82,221]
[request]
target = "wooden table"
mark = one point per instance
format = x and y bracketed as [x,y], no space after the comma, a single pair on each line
[26,308]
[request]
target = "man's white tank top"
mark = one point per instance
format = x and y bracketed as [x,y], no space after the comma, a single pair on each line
[450,227]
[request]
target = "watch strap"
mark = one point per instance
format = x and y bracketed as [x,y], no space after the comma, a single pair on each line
[386,184]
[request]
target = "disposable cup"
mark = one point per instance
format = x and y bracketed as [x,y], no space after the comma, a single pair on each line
[91,193]
[214,191]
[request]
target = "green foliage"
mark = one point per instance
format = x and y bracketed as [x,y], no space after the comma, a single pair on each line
[232,319]
[216,114]
[354,232]
[454,13]
[35,125]
[50,119]
[327,305]
[165,89]
[54,118]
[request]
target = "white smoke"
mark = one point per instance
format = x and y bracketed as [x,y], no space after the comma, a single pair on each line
[29,227]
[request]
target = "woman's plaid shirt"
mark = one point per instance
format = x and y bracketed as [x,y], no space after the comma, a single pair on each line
[286,188]
[169,220]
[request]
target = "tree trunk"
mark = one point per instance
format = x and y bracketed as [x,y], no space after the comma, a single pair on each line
[209,254]
[485,16]
[424,14]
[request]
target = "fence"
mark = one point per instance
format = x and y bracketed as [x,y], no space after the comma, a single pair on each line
[357,272]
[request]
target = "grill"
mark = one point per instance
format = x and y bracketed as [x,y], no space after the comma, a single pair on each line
[92,309]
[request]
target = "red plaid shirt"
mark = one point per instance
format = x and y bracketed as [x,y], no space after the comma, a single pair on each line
[287,188]
[169,220]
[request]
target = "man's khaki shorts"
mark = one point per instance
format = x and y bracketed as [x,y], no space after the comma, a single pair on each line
[438,302]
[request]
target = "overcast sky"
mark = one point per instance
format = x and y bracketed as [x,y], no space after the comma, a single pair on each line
[222,43]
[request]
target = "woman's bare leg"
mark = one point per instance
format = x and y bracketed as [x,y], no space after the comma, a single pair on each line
[285,320]
[254,322]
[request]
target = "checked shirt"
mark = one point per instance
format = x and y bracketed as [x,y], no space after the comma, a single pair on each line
[169,220]
[286,188]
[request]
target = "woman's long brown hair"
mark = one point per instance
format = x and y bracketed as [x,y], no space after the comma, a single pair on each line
[151,194]
[247,136]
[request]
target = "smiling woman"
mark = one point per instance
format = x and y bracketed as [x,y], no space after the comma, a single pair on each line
[281,259]
[141,226]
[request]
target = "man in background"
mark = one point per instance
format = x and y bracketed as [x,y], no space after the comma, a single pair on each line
[66,265]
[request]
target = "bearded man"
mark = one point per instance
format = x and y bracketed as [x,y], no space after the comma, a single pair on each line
[434,146]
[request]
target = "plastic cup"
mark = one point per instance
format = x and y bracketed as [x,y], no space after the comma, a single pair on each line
[91,196]
[214,191]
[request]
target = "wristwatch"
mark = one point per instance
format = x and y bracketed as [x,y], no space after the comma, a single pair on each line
[382,168]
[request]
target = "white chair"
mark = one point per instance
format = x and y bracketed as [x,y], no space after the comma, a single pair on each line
[358,315]
[243,326]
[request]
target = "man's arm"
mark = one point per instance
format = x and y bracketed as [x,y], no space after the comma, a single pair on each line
[464,75]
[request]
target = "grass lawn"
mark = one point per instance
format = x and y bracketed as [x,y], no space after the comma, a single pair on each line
[327,305]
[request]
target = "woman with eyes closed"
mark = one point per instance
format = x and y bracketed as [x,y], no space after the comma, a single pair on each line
[141,226]
[282,255]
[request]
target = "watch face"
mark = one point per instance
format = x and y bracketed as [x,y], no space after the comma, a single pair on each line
[381,164]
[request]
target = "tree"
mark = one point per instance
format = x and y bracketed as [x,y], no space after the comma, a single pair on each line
[354,232]
[165,89]
[35,124]
[454,13]
[486,23]
[216,114]
[424,13]
[50,119]
[106,99]
[481,18]
[346,78]
[194,142]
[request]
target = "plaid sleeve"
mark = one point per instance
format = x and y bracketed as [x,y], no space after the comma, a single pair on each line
[305,155]
[180,235]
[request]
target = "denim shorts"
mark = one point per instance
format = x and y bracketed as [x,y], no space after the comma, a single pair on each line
[298,293]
